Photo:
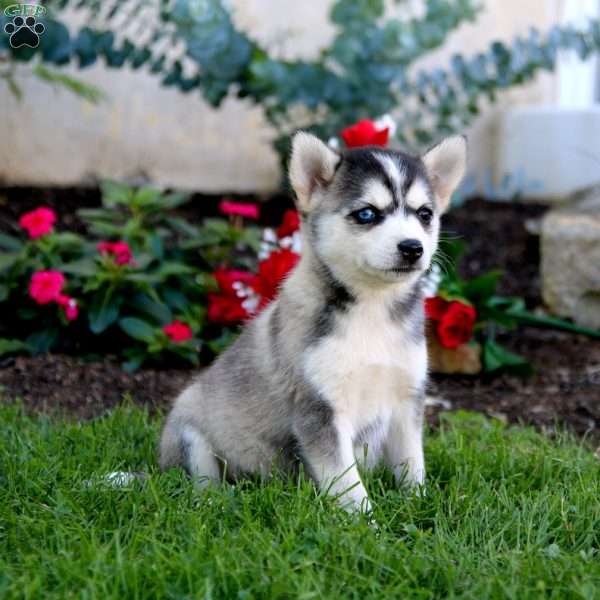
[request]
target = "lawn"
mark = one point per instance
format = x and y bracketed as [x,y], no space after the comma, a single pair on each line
[508,513]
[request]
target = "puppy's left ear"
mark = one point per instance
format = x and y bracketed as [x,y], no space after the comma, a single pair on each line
[446,164]
[312,167]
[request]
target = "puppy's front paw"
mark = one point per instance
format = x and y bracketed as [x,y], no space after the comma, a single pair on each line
[355,502]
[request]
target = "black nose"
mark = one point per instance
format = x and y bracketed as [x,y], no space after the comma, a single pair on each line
[411,250]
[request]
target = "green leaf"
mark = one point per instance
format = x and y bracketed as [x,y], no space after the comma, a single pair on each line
[182,226]
[55,44]
[346,13]
[133,364]
[138,329]
[453,249]
[114,193]
[170,268]
[85,267]
[41,342]
[84,46]
[13,86]
[143,260]
[159,311]
[7,260]
[76,86]
[12,346]
[107,230]
[101,214]
[528,318]
[176,300]
[223,341]
[68,240]
[10,242]
[497,358]
[146,198]
[171,201]
[104,310]
[483,287]
[156,246]
[145,279]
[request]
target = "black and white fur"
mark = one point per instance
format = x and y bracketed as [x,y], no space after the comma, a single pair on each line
[338,362]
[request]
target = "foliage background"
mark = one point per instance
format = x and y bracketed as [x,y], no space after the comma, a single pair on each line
[194,46]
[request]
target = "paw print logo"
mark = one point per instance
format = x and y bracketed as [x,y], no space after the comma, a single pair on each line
[24,32]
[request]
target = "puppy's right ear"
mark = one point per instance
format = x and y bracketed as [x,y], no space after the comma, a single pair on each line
[312,167]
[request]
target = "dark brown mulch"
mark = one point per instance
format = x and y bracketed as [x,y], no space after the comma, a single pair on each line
[67,385]
[565,388]
[496,238]
[563,391]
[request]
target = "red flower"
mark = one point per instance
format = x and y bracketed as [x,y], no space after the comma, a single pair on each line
[226,278]
[38,222]
[290,224]
[69,306]
[119,250]
[435,308]
[46,286]
[226,306]
[272,272]
[364,133]
[226,309]
[178,332]
[250,211]
[456,325]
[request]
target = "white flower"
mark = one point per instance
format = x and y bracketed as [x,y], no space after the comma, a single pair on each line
[296,243]
[265,250]
[334,143]
[242,290]
[269,235]
[386,122]
[285,242]
[250,304]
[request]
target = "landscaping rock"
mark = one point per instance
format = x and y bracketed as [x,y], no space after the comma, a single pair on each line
[570,259]
[466,359]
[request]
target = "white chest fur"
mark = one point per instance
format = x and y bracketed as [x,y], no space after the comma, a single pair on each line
[367,365]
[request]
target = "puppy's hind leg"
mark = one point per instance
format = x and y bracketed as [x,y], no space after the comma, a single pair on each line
[186,447]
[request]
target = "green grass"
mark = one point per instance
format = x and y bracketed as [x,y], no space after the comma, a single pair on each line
[508,513]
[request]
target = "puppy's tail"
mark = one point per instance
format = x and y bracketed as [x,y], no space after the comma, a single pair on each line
[170,450]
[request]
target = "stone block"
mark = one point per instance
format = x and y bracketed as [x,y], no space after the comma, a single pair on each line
[570,256]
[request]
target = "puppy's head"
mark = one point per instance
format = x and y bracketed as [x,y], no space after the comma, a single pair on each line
[373,215]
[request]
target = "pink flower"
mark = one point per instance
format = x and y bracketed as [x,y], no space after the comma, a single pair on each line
[178,332]
[365,133]
[38,222]
[46,286]
[69,306]
[119,250]
[250,211]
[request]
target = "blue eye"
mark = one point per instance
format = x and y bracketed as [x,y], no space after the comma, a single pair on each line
[366,215]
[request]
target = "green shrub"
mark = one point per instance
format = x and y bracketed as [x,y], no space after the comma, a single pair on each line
[128,292]
[365,72]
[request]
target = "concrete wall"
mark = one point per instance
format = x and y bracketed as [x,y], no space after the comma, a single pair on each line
[147,132]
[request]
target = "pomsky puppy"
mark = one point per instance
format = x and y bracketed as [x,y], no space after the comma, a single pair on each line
[334,370]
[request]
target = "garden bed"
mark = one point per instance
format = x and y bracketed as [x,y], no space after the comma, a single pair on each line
[565,387]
